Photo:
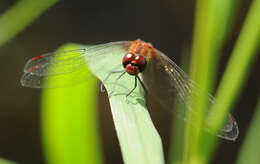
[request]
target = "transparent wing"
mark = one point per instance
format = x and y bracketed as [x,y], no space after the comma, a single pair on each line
[164,80]
[71,66]
[62,62]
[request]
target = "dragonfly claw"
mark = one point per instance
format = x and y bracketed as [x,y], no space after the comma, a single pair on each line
[102,87]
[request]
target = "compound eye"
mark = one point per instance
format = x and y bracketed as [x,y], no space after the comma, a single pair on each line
[128,58]
[140,62]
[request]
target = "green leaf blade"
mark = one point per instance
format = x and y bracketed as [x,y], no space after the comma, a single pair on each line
[24,12]
[69,120]
[249,152]
[4,161]
[138,138]
[212,23]
[239,65]
[139,141]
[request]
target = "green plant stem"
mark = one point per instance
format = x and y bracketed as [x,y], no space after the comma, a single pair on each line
[21,15]
[211,26]
[4,161]
[237,70]
[239,65]
[69,120]
[139,141]
[249,152]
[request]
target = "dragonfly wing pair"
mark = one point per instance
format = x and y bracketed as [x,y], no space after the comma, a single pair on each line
[162,78]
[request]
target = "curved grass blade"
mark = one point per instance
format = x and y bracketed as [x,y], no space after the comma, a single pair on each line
[178,130]
[139,141]
[138,138]
[177,139]
[235,76]
[4,161]
[243,56]
[69,120]
[211,26]
[249,152]
[19,16]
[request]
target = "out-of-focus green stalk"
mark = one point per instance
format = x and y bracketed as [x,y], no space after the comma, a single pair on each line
[211,25]
[3,161]
[69,120]
[21,15]
[178,125]
[249,152]
[238,67]
[177,140]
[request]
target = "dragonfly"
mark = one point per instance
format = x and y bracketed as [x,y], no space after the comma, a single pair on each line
[158,74]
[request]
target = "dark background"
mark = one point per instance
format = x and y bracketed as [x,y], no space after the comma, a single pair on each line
[167,24]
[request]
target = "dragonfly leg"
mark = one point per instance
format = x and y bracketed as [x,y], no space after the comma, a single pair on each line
[145,91]
[142,84]
[133,88]
[107,77]
[115,83]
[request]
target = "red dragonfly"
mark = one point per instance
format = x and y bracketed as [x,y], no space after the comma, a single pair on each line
[161,77]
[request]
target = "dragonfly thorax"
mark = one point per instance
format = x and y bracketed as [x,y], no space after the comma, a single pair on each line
[134,63]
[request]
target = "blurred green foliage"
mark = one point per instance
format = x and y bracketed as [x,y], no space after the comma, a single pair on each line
[69,120]
[3,161]
[212,22]
[21,15]
[249,152]
[208,38]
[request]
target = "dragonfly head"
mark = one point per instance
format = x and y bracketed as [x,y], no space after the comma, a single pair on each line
[134,63]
